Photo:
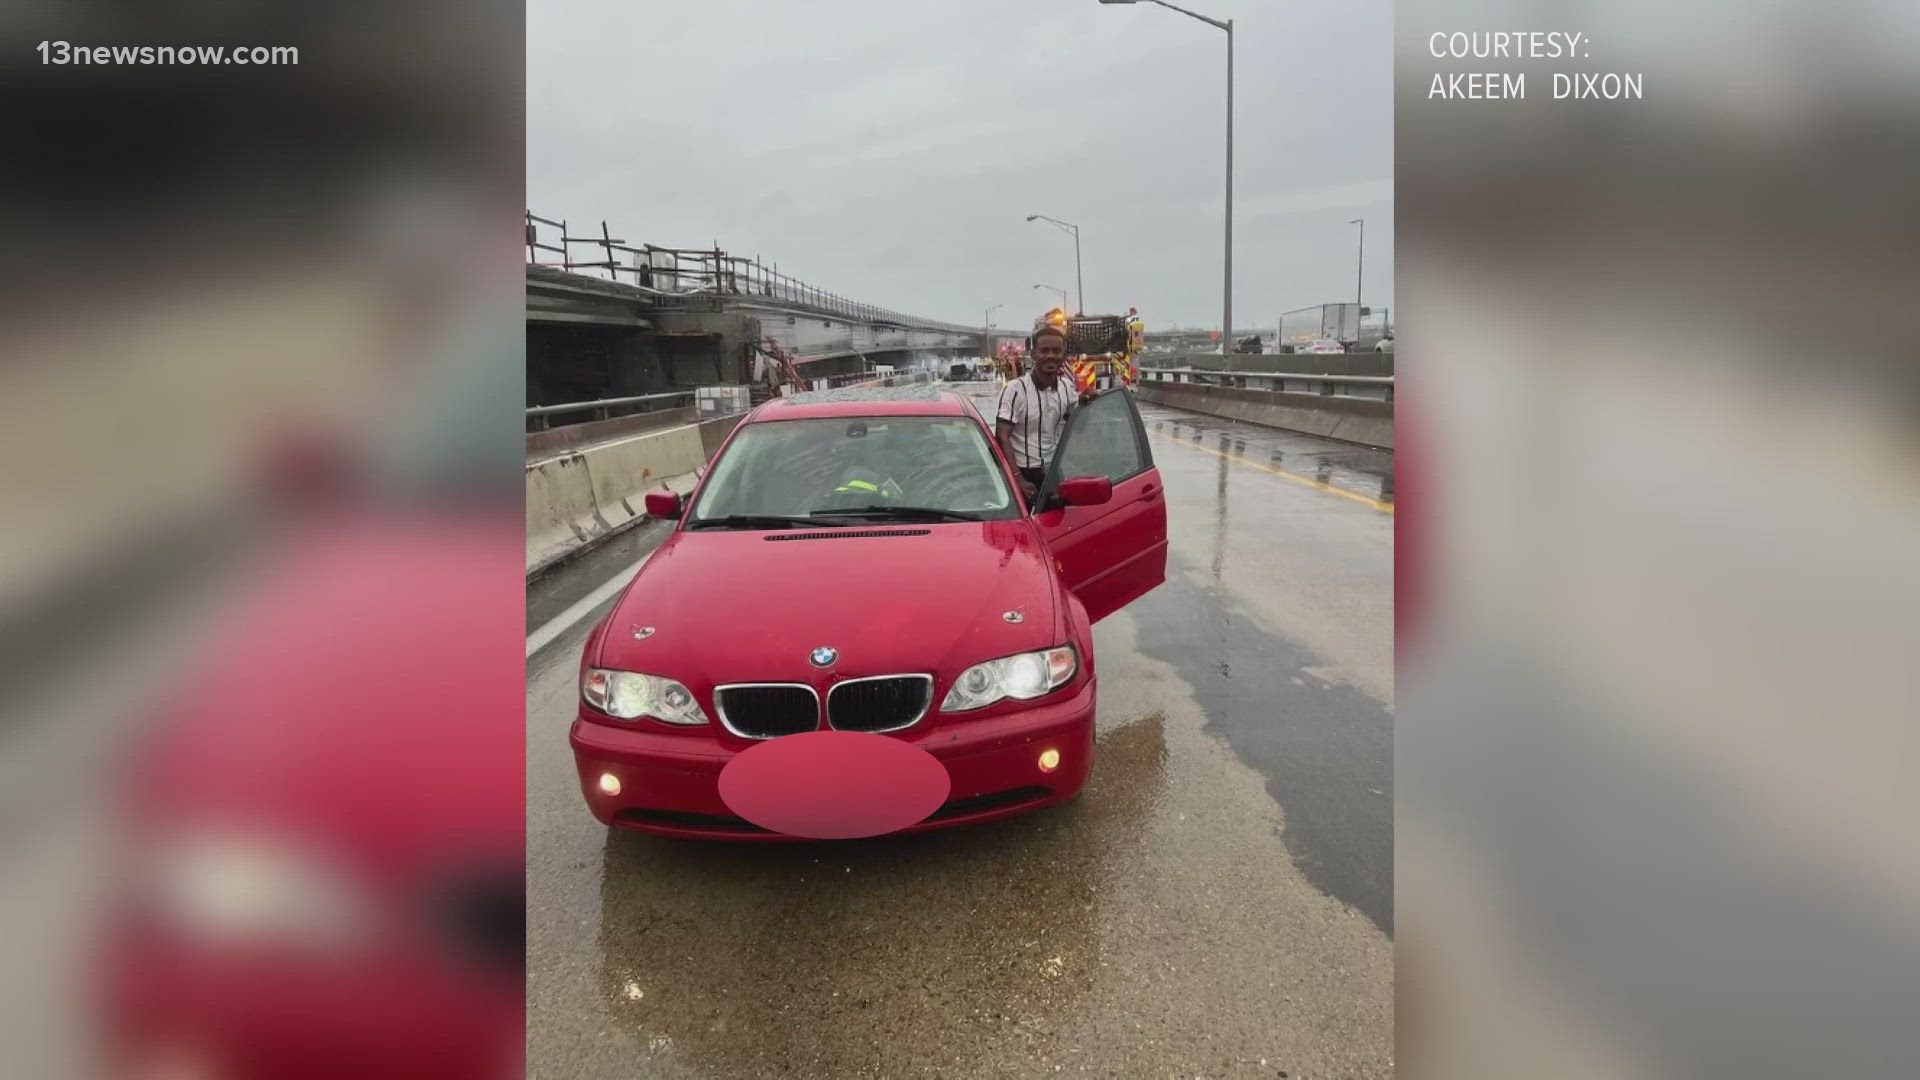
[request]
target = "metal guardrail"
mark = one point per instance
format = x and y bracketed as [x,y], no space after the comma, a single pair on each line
[605,403]
[602,409]
[1325,385]
[537,414]
[669,272]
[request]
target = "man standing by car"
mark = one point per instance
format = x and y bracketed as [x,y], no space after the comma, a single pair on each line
[1034,408]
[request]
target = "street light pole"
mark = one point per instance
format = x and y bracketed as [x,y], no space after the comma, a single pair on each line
[1226,290]
[1226,299]
[1058,289]
[986,329]
[1359,266]
[1079,282]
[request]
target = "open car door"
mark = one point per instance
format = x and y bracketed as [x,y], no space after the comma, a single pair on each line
[1112,553]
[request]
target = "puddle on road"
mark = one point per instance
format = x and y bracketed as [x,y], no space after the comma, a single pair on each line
[1361,470]
[1324,747]
[1220,522]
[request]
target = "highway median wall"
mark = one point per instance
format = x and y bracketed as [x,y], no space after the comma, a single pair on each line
[577,498]
[553,441]
[1357,420]
[1357,363]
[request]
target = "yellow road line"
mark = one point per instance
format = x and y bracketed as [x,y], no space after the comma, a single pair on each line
[1309,481]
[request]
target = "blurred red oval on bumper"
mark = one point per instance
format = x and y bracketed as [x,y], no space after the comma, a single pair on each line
[834,785]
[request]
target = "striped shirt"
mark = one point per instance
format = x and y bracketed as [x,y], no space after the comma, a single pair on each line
[1036,416]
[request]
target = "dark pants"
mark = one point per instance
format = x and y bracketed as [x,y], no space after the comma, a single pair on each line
[1034,476]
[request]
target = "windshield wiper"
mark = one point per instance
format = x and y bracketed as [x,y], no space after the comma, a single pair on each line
[752,521]
[909,513]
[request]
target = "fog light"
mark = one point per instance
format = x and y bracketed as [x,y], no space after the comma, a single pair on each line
[609,784]
[1049,760]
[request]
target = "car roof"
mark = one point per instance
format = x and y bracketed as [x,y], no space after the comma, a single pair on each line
[919,400]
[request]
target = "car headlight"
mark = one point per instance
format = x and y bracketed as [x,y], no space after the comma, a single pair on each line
[1022,676]
[234,889]
[629,695]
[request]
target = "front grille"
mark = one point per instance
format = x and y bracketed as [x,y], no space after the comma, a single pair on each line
[688,820]
[1097,336]
[887,703]
[766,711]
[975,804]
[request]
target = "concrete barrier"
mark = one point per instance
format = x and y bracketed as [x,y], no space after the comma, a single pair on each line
[1356,420]
[561,514]
[582,496]
[623,469]
[578,498]
[559,440]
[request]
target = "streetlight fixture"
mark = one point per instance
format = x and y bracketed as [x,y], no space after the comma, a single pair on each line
[1226,301]
[1058,289]
[1079,283]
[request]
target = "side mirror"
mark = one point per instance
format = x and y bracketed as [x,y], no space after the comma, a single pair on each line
[665,505]
[307,466]
[1086,491]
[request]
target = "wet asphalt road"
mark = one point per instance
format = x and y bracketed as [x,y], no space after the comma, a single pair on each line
[1218,903]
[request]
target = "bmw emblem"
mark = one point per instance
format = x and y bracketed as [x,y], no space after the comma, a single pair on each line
[824,656]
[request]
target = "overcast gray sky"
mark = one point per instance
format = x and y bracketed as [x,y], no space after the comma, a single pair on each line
[890,150]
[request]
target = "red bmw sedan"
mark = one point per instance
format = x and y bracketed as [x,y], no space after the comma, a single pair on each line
[864,561]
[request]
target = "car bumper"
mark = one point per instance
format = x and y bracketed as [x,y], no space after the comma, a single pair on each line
[168,1008]
[670,784]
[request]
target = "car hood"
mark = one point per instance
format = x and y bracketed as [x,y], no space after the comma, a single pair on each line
[741,606]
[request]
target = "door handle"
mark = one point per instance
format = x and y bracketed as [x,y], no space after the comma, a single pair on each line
[1149,492]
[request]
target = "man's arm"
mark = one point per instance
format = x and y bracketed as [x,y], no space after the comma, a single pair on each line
[1003,434]
[1013,410]
[1008,413]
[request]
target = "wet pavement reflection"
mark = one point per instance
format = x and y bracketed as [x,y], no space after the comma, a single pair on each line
[1220,513]
[1361,470]
[1325,747]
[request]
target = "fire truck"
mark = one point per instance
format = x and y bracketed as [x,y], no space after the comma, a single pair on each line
[1102,350]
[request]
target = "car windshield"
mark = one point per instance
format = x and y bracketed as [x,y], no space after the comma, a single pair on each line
[929,468]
